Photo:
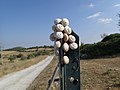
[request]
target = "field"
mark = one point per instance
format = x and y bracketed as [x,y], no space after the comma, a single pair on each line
[96,74]
[18,64]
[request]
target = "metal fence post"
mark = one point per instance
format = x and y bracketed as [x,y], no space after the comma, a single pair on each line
[70,73]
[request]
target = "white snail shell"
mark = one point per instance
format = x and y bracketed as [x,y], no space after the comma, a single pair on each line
[57,21]
[67,30]
[58,44]
[54,27]
[52,37]
[65,47]
[59,27]
[56,52]
[59,35]
[72,38]
[80,43]
[65,22]
[65,60]
[66,38]
[73,46]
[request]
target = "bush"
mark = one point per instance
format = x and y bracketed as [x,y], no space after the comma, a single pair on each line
[23,57]
[45,52]
[109,46]
[19,55]
[12,57]
[29,56]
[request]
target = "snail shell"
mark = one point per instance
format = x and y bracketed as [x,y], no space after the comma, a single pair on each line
[66,38]
[58,44]
[67,30]
[65,47]
[56,50]
[54,27]
[72,38]
[52,37]
[73,46]
[59,27]
[59,35]
[57,21]
[65,22]
[65,60]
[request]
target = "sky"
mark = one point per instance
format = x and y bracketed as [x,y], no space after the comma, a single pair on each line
[28,23]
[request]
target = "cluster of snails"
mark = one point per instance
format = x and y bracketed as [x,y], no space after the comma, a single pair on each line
[62,30]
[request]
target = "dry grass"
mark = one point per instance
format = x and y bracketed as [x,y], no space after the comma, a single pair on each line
[39,49]
[96,74]
[17,65]
[100,74]
[8,52]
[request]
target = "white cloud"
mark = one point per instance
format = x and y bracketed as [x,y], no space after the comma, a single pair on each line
[117,5]
[91,5]
[94,15]
[105,20]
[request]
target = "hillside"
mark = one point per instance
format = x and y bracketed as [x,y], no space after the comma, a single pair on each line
[108,47]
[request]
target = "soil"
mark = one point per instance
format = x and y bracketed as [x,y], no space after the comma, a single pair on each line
[96,74]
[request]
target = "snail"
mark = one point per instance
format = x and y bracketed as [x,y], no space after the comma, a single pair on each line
[65,47]
[52,37]
[54,28]
[58,35]
[72,38]
[65,22]
[57,21]
[66,38]
[58,44]
[65,60]
[56,52]
[67,30]
[73,46]
[59,27]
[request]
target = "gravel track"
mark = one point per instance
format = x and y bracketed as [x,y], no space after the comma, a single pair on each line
[22,79]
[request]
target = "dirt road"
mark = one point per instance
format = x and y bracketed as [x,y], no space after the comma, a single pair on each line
[22,79]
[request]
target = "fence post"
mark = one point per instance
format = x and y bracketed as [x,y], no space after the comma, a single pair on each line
[67,48]
[70,73]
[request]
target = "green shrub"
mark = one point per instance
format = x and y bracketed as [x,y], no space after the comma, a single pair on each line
[109,46]
[29,56]
[23,57]
[19,55]
[45,52]
[12,57]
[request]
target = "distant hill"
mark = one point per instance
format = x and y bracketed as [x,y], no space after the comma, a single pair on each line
[107,47]
[16,49]
[23,48]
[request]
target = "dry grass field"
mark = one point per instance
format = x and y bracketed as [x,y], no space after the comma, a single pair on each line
[96,74]
[17,64]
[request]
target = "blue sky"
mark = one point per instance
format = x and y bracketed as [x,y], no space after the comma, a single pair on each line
[28,22]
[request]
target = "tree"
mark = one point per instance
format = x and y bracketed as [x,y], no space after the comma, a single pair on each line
[103,35]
